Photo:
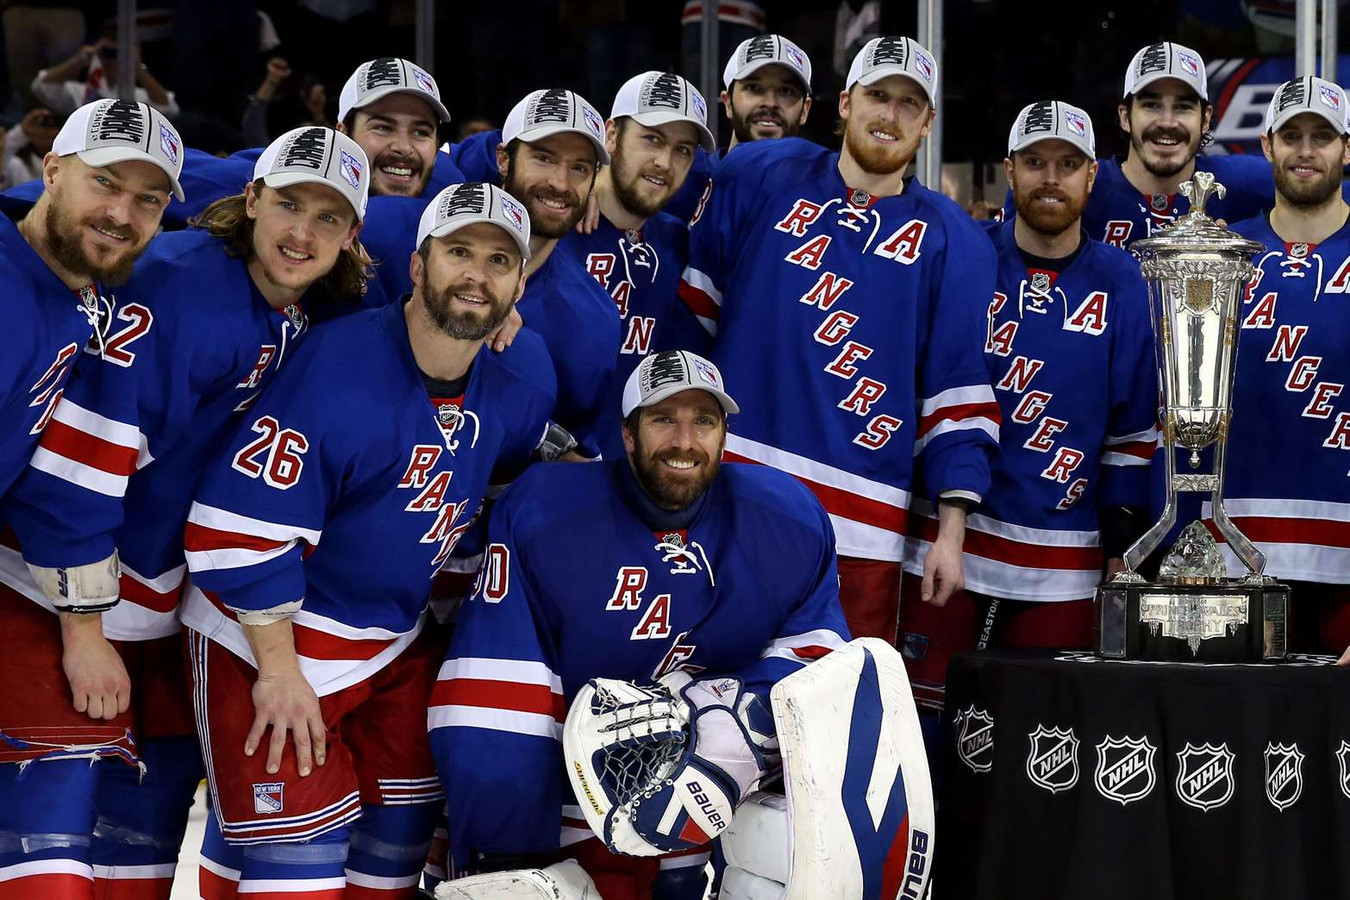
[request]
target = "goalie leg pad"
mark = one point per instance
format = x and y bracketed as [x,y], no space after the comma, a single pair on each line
[562,881]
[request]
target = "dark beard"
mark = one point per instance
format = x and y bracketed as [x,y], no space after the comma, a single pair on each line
[627,194]
[1307,196]
[466,326]
[1049,222]
[420,175]
[544,224]
[665,491]
[744,131]
[872,160]
[1164,171]
[63,241]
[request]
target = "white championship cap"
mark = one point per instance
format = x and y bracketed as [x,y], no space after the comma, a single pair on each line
[1055,119]
[664,374]
[555,111]
[1308,94]
[389,75]
[112,131]
[469,203]
[317,155]
[885,56]
[767,50]
[1167,60]
[655,98]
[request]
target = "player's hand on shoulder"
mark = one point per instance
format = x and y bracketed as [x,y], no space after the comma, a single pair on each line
[285,702]
[506,332]
[99,684]
[590,219]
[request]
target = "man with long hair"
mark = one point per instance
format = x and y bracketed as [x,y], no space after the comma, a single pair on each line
[209,315]
[105,183]
[315,532]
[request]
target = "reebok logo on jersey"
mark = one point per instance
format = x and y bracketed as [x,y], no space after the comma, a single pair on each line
[268,797]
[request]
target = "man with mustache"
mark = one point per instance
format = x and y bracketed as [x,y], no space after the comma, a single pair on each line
[1167,113]
[849,300]
[209,315]
[637,251]
[1069,347]
[105,183]
[659,563]
[1285,484]
[312,541]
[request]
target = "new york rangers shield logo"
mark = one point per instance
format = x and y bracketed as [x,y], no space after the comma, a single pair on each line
[1125,769]
[1052,761]
[1284,775]
[1205,775]
[975,739]
[267,798]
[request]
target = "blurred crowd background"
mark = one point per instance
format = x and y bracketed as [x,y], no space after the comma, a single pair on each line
[236,73]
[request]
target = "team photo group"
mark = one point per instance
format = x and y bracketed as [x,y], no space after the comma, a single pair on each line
[583,510]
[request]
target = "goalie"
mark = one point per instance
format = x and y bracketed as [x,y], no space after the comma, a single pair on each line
[715,581]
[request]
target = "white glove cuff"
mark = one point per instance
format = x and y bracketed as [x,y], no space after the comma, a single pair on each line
[266,616]
[89,588]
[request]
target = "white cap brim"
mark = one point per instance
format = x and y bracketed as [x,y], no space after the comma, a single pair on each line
[729,75]
[462,221]
[381,93]
[286,179]
[1295,111]
[108,156]
[630,403]
[654,119]
[1152,77]
[1033,139]
[543,131]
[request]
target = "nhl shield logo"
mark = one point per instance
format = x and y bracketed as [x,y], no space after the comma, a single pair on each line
[267,798]
[1052,761]
[1205,775]
[1298,250]
[1284,775]
[1158,202]
[1125,769]
[1343,757]
[1040,282]
[975,739]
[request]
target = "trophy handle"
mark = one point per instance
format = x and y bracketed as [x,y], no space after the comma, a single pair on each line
[1239,543]
[1149,540]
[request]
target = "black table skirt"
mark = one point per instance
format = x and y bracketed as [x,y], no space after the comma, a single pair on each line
[1069,777]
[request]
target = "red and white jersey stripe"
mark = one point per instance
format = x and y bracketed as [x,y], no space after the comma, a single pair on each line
[1017,562]
[1303,540]
[957,409]
[702,297]
[803,648]
[219,539]
[869,517]
[1135,449]
[518,696]
[409,791]
[90,450]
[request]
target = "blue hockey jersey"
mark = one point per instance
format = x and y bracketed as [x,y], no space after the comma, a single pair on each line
[578,584]
[580,326]
[1071,357]
[192,344]
[684,205]
[1286,484]
[851,328]
[347,486]
[48,324]
[640,270]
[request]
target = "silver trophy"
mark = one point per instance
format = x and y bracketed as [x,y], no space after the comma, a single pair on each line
[1196,271]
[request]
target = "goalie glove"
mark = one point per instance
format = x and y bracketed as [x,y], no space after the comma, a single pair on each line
[91,588]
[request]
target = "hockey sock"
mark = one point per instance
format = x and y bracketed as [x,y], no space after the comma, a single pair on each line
[218,875]
[301,870]
[388,850]
[141,821]
[46,823]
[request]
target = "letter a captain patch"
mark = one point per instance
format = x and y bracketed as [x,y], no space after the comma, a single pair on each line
[267,797]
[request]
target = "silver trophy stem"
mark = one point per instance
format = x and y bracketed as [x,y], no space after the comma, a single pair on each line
[1151,539]
[1239,543]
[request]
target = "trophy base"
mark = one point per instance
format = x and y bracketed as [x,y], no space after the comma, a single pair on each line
[1230,622]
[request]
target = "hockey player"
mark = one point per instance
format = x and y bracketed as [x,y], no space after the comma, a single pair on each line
[640,567]
[1285,484]
[1166,112]
[312,543]
[637,252]
[849,300]
[110,173]
[208,315]
[1070,351]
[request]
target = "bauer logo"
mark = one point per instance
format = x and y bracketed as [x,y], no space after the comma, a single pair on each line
[267,798]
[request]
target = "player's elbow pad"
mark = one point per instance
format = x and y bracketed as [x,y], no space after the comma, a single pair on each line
[90,588]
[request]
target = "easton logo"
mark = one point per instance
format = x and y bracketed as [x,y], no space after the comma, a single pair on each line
[975,739]
[1052,761]
[1205,775]
[665,91]
[119,120]
[467,198]
[308,149]
[1284,775]
[1125,769]
[383,72]
[267,798]
[1040,117]
[1343,757]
